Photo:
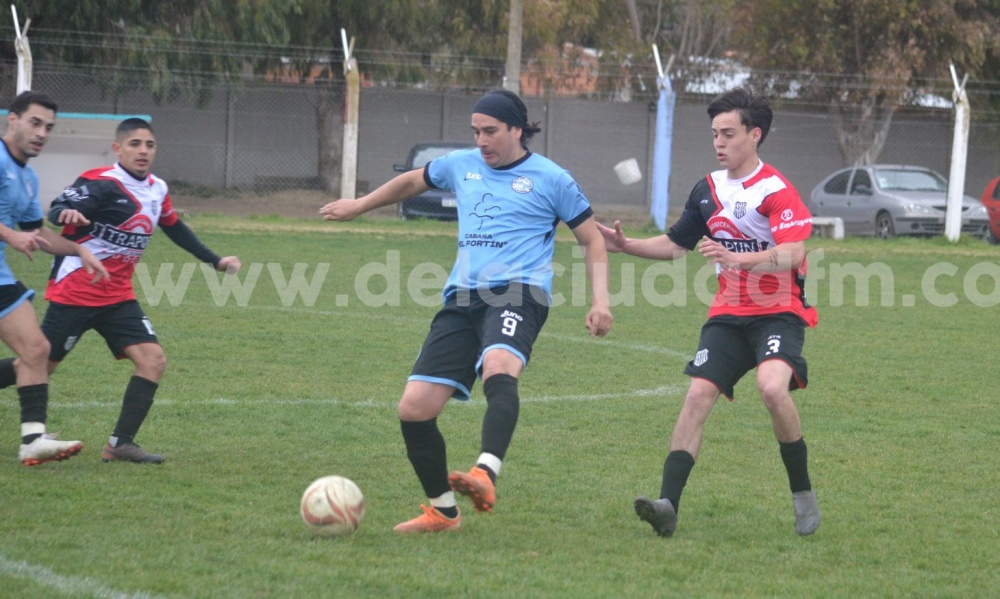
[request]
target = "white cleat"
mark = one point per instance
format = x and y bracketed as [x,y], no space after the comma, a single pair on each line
[48,448]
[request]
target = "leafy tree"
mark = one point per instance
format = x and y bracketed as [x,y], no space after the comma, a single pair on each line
[188,46]
[863,58]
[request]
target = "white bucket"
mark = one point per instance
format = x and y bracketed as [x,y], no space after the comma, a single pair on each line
[628,171]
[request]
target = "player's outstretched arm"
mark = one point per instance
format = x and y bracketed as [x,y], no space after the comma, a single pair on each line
[185,238]
[396,190]
[660,247]
[599,318]
[25,242]
[58,245]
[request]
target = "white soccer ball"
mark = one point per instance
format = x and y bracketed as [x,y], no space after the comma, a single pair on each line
[333,506]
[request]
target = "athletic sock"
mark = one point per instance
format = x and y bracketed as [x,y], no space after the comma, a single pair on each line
[796,458]
[34,406]
[448,512]
[426,450]
[503,406]
[137,401]
[676,469]
[8,376]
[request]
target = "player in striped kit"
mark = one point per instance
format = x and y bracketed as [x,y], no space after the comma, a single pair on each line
[750,222]
[113,211]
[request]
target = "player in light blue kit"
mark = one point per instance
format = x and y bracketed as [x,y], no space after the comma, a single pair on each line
[496,298]
[30,120]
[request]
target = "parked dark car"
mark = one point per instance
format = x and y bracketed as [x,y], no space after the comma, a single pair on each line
[991,200]
[886,200]
[435,203]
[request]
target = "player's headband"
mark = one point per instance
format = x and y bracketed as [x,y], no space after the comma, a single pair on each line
[502,108]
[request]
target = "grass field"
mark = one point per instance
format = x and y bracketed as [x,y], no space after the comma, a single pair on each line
[272,386]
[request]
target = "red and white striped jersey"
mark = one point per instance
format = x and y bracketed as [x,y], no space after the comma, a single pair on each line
[750,215]
[123,213]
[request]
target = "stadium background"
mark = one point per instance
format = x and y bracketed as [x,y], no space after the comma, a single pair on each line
[260,135]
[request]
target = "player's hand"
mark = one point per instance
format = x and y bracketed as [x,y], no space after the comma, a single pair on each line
[341,210]
[716,253]
[27,242]
[92,265]
[229,265]
[73,217]
[614,239]
[599,321]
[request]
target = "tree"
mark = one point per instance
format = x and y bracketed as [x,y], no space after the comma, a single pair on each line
[862,58]
[188,46]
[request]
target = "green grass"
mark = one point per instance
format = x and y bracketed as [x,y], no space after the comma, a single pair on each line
[259,399]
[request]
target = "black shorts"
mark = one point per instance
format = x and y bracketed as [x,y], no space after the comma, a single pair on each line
[730,346]
[121,325]
[12,296]
[469,326]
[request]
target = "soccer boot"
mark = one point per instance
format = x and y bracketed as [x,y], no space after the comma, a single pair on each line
[806,512]
[48,448]
[129,452]
[477,486]
[660,514]
[430,521]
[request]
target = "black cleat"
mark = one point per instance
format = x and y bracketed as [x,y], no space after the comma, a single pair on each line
[129,452]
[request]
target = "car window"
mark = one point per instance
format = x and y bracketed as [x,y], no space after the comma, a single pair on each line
[425,155]
[996,191]
[862,183]
[909,180]
[837,184]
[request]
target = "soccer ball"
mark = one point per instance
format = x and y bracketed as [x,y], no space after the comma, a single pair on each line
[333,506]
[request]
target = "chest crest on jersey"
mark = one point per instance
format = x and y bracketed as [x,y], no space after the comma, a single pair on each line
[522,185]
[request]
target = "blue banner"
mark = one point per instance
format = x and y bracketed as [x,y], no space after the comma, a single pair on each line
[659,201]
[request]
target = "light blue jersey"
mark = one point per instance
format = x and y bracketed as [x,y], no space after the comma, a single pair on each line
[18,202]
[507,218]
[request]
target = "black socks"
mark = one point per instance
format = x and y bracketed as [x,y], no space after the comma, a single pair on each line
[426,450]
[7,374]
[795,457]
[502,409]
[136,403]
[676,469]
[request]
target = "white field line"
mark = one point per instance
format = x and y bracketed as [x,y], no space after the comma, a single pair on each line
[66,585]
[375,403]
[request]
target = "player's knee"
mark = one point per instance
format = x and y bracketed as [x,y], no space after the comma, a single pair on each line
[152,363]
[774,393]
[411,411]
[36,355]
[501,361]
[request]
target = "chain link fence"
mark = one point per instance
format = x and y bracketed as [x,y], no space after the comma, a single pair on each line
[265,135]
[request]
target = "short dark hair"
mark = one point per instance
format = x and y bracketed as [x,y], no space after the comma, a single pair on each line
[24,100]
[754,109]
[131,124]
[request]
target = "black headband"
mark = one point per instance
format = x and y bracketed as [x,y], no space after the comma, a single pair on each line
[502,108]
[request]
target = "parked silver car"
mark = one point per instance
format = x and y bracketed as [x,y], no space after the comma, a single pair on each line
[886,200]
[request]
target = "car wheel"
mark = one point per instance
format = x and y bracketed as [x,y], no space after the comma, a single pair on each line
[990,237]
[884,227]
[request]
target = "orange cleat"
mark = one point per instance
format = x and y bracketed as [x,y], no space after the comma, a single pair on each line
[430,521]
[477,486]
